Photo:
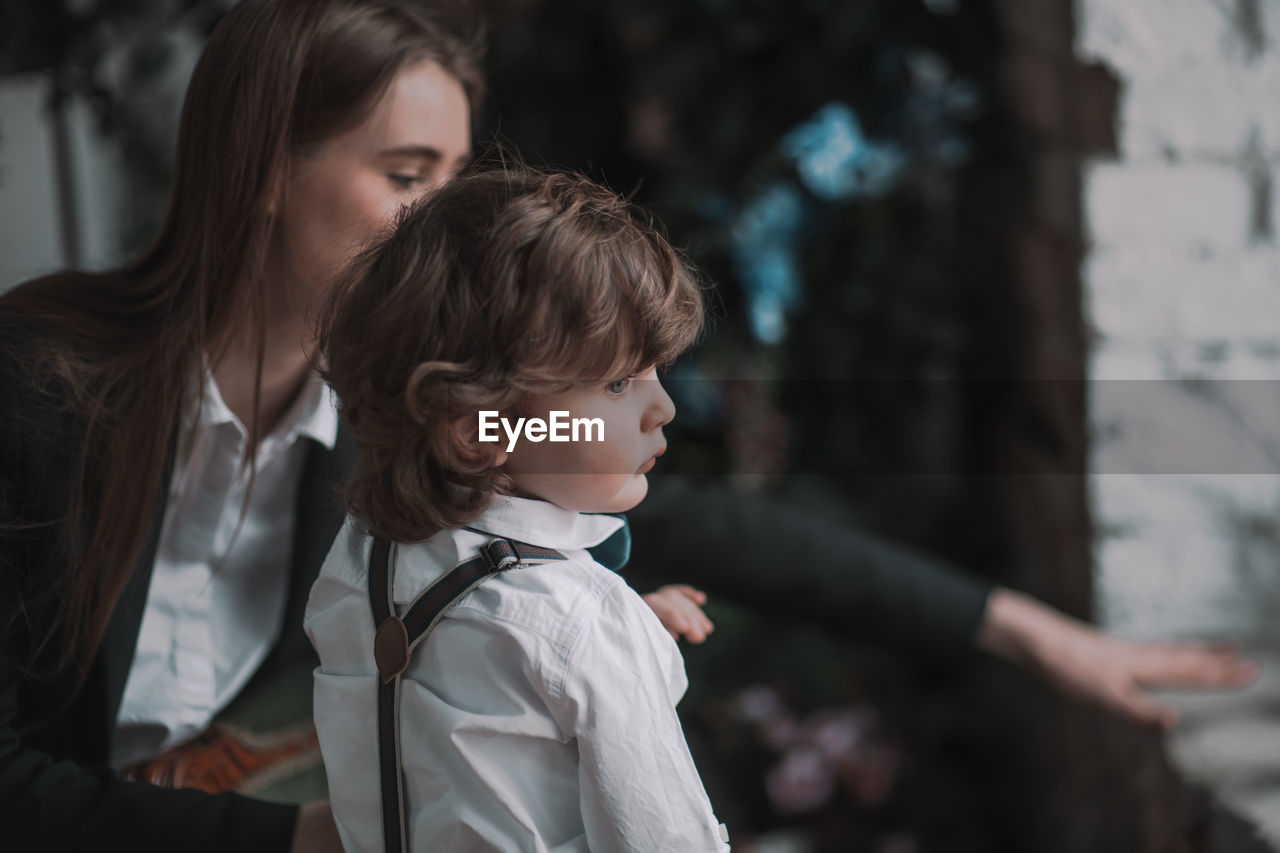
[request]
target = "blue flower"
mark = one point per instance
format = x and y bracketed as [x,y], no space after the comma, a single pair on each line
[764,240]
[836,162]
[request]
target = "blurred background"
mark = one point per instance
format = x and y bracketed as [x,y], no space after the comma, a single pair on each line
[928,222]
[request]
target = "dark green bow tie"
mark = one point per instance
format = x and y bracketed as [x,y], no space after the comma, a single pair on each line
[614,552]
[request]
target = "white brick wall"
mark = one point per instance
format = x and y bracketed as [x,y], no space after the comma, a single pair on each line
[1167,296]
[1195,204]
[1182,282]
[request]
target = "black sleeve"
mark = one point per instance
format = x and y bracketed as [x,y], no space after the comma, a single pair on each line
[50,802]
[770,555]
[58,805]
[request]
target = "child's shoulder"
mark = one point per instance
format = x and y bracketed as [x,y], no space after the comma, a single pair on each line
[551,599]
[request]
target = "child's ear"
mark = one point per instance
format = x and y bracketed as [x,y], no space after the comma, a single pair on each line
[464,435]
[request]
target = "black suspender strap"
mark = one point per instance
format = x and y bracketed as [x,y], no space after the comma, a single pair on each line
[399,634]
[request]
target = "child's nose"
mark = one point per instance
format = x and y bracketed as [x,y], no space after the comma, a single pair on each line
[661,409]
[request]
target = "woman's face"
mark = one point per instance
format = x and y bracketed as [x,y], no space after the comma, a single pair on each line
[339,197]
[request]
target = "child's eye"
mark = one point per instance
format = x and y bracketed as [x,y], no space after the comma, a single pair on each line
[617,386]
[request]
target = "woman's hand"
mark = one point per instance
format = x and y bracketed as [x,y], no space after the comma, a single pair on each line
[315,831]
[679,608]
[1090,664]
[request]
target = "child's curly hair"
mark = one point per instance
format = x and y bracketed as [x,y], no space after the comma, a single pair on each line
[503,283]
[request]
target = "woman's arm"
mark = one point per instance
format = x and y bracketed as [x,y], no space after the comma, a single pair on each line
[783,559]
[55,805]
[1082,661]
[770,555]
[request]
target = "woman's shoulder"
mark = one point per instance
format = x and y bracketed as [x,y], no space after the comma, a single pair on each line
[21,341]
[69,318]
[36,403]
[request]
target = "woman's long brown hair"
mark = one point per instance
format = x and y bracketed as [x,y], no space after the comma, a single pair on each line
[276,79]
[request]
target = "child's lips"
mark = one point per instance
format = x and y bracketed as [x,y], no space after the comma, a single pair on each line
[648,465]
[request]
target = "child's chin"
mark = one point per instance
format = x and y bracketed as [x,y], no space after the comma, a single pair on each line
[630,495]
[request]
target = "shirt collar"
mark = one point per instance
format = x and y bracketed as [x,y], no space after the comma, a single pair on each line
[314,414]
[544,524]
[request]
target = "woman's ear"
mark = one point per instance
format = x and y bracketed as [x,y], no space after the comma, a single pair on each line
[279,182]
[274,201]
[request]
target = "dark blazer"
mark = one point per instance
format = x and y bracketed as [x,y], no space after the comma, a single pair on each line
[56,790]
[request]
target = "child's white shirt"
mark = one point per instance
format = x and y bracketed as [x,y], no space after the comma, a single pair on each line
[539,715]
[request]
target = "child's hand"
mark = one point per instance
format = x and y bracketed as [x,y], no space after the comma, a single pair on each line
[679,608]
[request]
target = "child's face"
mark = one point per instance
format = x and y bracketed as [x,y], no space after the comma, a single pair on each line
[595,476]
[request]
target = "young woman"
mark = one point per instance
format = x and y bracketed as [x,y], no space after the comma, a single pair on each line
[166,453]
[165,450]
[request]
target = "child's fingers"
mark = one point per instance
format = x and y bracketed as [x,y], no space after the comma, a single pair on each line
[687,618]
[699,625]
[677,606]
[697,596]
[703,624]
[682,626]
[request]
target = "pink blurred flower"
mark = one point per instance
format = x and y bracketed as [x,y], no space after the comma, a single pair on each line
[780,732]
[758,703]
[801,782]
[870,772]
[836,734]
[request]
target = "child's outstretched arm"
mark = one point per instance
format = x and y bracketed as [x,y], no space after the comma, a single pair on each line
[640,791]
[679,608]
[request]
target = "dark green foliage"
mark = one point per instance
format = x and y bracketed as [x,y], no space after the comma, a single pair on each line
[685,104]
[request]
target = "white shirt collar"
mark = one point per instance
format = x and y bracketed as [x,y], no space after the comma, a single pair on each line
[314,414]
[544,524]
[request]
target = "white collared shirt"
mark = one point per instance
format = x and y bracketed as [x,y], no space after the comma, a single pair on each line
[539,715]
[218,592]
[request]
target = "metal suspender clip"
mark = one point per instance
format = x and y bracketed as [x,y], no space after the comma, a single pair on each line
[500,554]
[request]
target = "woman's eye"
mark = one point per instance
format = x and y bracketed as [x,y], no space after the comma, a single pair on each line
[617,386]
[405,182]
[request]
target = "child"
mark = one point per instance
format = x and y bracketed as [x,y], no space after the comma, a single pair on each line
[539,712]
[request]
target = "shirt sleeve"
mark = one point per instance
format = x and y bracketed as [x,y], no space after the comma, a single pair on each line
[639,788]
